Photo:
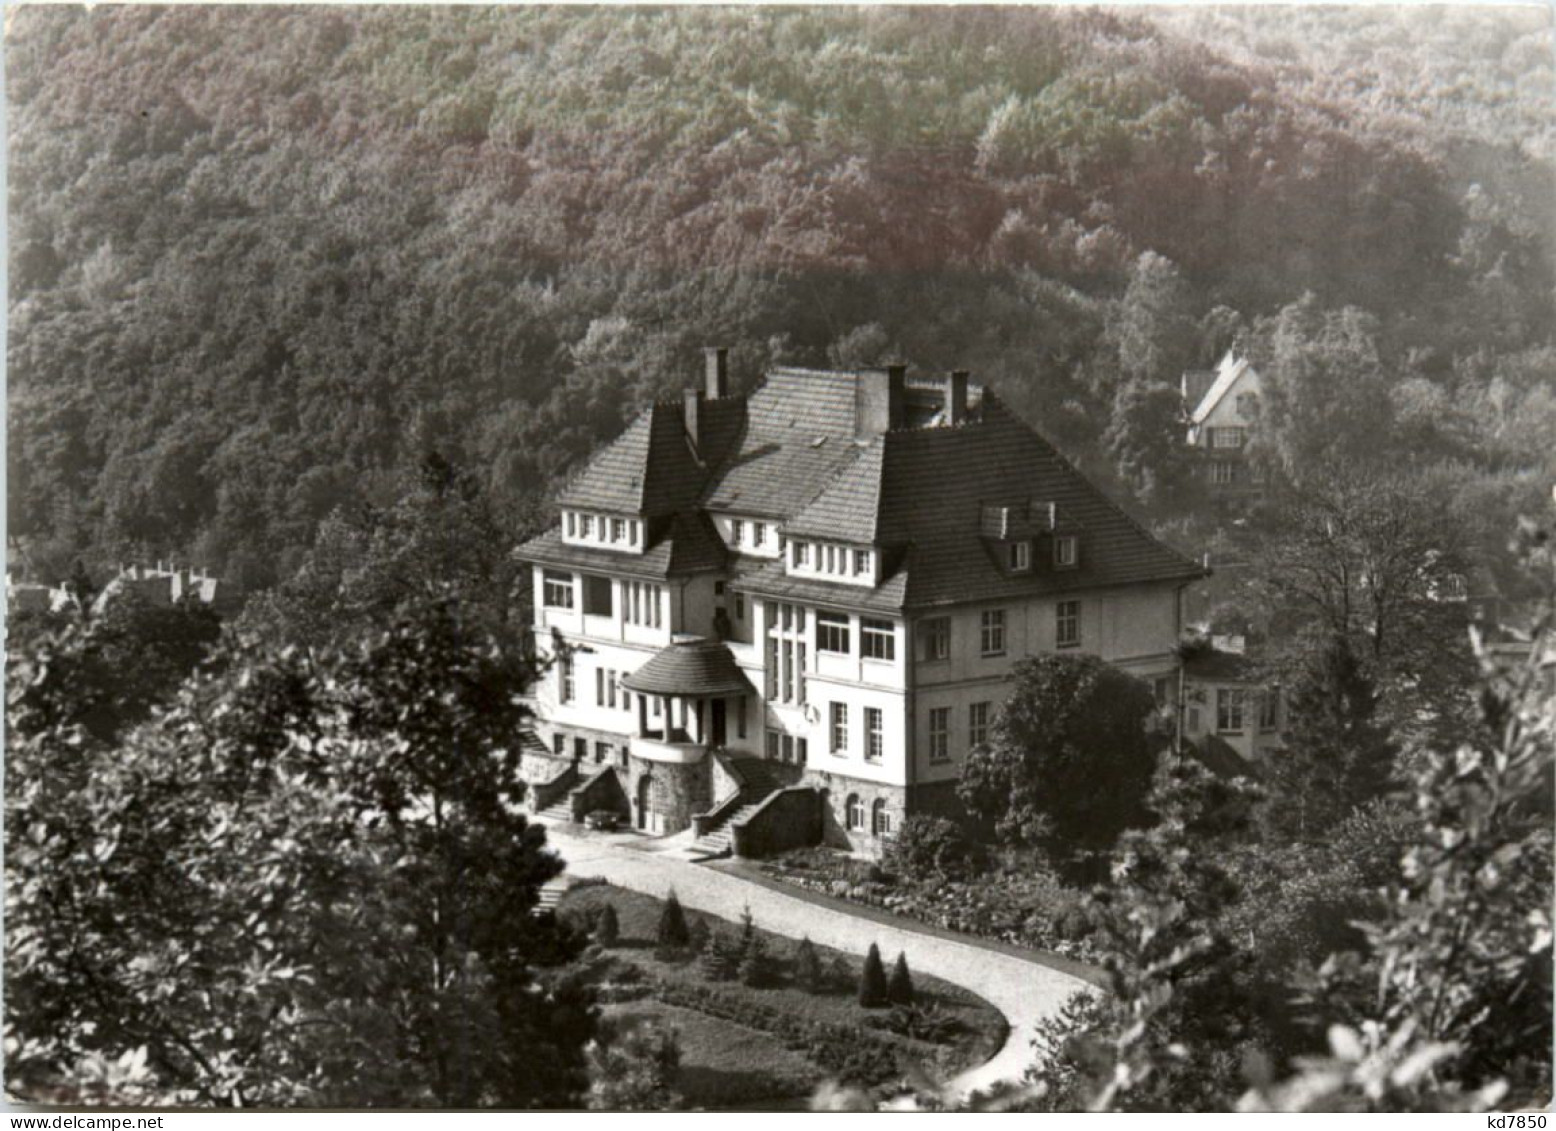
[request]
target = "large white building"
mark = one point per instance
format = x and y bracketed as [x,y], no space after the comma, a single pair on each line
[786,617]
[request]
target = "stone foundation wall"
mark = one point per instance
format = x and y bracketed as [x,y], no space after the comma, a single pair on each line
[676,793]
[835,789]
[792,818]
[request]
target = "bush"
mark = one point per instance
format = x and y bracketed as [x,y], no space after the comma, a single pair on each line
[720,958]
[757,967]
[808,974]
[673,933]
[840,975]
[922,1023]
[607,927]
[700,934]
[931,848]
[899,990]
[872,981]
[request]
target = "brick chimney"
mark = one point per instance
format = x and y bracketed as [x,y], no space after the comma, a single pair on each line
[879,399]
[717,366]
[956,397]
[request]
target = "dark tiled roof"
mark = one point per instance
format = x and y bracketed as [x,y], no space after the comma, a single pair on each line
[770,581]
[937,480]
[690,667]
[696,545]
[847,509]
[789,452]
[652,469]
[799,434]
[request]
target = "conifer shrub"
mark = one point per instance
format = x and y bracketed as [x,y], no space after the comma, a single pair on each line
[899,988]
[673,932]
[607,927]
[700,934]
[758,969]
[872,981]
[808,972]
[720,959]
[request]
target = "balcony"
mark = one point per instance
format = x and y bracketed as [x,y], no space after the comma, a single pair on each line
[678,750]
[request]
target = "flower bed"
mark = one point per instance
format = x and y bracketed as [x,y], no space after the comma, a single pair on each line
[1023,909]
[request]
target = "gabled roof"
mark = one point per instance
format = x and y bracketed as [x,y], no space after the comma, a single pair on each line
[1228,373]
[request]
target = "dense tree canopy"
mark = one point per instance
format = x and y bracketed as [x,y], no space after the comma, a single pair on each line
[262,258]
[304,881]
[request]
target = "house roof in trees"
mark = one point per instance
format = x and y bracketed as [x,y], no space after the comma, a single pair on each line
[1214,665]
[1228,373]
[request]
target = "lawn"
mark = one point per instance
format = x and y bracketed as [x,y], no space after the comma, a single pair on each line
[723,1063]
[783,1020]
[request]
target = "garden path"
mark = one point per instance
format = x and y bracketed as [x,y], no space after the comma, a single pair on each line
[1022,989]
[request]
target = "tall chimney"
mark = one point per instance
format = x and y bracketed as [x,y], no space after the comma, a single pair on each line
[691,401]
[879,397]
[717,365]
[956,397]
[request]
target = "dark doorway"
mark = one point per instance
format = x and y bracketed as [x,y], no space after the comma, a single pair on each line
[720,724]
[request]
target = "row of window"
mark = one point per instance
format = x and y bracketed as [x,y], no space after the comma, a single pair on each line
[739,529]
[877,638]
[940,729]
[1018,555]
[879,816]
[603,751]
[836,560]
[935,632]
[602,528]
[642,601]
[1228,437]
[874,732]
[787,748]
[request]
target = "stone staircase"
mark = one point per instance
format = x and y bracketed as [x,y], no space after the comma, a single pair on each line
[760,779]
[550,894]
[559,813]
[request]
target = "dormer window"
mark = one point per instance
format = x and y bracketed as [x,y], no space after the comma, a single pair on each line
[758,533]
[618,529]
[861,563]
[801,554]
[1066,551]
[1020,557]
[737,531]
[572,524]
[586,526]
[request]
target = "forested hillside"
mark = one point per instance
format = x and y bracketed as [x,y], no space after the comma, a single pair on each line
[262,258]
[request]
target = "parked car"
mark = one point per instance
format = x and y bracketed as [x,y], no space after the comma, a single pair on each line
[603,820]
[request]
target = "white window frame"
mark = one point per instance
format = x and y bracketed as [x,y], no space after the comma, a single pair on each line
[737,531]
[558,589]
[838,729]
[1067,624]
[875,734]
[758,533]
[1020,557]
[978,723]
[991,632]
[939,734]
[880,635]
[1066,551]
[828,626]
[1231,710]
